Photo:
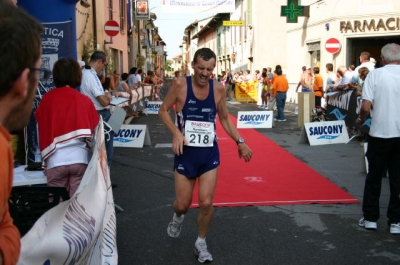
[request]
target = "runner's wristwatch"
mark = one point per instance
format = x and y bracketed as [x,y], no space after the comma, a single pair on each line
[240,141]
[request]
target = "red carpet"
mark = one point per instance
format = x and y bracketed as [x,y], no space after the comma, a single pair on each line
[273,177]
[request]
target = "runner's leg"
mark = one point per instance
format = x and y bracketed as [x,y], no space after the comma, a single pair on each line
[183,191]
[207,184]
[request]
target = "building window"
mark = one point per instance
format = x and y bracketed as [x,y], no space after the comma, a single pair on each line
[122,15]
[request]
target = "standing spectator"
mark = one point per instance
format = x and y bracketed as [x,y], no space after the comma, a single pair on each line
[222,78]
[248,77]
[132,79]
[228,85]
[258,76]
[265,95]
[123,84]
[363,72]
[92,88]
[308,81]
[66,119]
[318,87]
[302,76]
[269,82]
[114,80]
[197,161]
[365,62]
[281,86]
[153,80]
[20,63]
[269,73]
[331,79]
[148,78]
[345,78]
[381,89]
[272,91]
[139,76]
[240,78]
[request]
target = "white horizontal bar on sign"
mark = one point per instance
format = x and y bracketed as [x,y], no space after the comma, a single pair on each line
[332,45]
[111,28]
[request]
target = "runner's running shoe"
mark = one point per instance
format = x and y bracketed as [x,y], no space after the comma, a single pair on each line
[174,229]
[202,252]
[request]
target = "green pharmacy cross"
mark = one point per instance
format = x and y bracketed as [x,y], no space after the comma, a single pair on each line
[293,10]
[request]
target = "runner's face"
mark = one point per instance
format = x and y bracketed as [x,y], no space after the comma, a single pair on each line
[203,70]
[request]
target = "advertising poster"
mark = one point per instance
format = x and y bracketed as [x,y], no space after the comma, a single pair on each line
[246,92]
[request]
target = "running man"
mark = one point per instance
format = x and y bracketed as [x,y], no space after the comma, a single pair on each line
[198,99]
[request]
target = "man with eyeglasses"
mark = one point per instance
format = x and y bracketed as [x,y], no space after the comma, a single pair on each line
[20,38]
[91,87]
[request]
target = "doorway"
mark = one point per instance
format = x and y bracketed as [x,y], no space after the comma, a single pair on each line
[373,45]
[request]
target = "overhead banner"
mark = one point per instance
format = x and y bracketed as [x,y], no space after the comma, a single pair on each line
[81,230]
[196,6]
[254,119]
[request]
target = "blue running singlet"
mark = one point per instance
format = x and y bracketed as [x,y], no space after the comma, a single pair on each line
[202,154]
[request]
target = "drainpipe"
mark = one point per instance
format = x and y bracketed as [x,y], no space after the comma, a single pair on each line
[94,21]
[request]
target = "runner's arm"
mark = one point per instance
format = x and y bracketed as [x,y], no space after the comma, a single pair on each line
[244,150]
[172,97]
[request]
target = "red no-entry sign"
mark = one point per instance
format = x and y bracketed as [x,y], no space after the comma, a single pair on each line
[332,45]
[112,28]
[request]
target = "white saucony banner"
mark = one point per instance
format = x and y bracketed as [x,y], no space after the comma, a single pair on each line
[196,6]
[81,230]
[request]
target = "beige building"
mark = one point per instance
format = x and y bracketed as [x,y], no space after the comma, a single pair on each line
[177,65]
[266,39]
[138,43]
[358,25]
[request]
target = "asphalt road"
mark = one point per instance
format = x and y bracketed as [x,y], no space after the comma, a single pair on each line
[293,234]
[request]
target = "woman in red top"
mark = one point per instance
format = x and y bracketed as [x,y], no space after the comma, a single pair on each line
[66,118]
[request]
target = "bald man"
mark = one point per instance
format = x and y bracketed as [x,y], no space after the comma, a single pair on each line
[345,79]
